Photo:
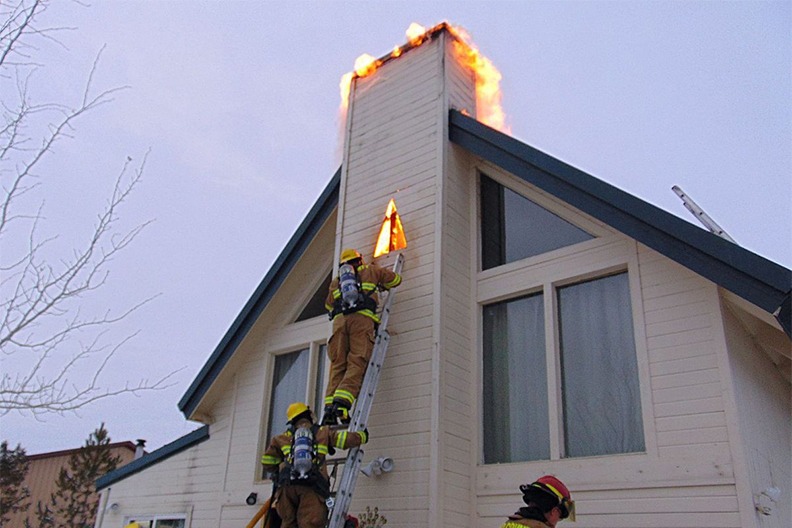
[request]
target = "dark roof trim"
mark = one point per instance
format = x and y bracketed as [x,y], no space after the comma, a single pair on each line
[748,275]
[156,456]
[294,249]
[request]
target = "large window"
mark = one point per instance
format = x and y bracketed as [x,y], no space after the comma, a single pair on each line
[513,227]
[515,381]
[599,369]
[291,383]
[599,411]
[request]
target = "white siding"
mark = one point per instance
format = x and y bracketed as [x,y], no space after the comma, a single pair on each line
[763,399]
[686,477]
[190,482]
[393,151]
[456,369]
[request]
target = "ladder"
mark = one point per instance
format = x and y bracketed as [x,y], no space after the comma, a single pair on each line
[359,418]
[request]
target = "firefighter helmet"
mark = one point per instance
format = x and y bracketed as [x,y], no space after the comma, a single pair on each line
[350,254]
[295,410]
[550,492]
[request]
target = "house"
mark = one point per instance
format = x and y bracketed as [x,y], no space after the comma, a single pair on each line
[548,322]
[43,470]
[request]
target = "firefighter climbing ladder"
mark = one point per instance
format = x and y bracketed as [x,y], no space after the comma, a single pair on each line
[360,416]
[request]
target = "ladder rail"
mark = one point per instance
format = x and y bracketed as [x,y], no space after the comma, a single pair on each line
[360,415]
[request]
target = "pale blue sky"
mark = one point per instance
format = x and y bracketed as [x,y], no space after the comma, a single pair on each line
[238,102]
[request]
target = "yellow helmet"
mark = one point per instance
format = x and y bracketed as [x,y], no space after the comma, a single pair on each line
[350,254]
[295,410]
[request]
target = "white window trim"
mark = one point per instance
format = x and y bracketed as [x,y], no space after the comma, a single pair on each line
[148,517]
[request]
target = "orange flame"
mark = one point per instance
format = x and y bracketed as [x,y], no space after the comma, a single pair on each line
[391,236]
[488,95]
[489,109]
[416,34]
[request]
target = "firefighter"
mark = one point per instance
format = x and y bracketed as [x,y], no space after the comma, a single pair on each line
[548,501]
[352,306]
[295,460]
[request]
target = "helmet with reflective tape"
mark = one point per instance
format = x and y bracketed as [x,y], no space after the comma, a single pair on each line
[350,254]
[549,492]
[295,410]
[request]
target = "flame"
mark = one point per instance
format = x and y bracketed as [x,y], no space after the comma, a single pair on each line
[488,95]
[391,236]
[416,34]
[366,65]
[489,109]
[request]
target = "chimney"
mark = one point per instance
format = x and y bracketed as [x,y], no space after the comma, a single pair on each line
[140,450]
[397,147]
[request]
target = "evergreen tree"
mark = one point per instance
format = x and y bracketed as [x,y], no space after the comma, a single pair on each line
[13,493]
[74,503]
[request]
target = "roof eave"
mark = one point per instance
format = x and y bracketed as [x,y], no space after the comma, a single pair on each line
[177,446]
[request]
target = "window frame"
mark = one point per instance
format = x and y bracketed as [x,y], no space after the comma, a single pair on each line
[607,254]
[150,517]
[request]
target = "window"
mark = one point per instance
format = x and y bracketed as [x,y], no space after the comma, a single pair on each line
[159,521]
[600,409]
[513,227]
[290,383]
[515,381]
[599,369]
[316,304]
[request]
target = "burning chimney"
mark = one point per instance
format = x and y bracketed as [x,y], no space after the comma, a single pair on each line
[395,126]
[397,148]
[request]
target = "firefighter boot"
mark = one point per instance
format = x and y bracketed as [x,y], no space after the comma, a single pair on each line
[329,415]
[341,411]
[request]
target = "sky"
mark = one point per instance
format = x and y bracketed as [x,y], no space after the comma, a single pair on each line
[236,104]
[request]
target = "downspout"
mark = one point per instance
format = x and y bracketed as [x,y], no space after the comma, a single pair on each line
[104,499]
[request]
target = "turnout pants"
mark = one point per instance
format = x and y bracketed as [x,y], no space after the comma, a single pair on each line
[301,507]
[349,351]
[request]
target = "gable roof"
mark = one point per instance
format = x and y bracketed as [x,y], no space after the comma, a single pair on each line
[261,297]
[748,275]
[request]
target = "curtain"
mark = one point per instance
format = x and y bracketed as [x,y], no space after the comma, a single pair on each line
[601,398]
[288,386]
[515,382]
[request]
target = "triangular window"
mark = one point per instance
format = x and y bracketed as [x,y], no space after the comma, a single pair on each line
[513,227]
[316,304]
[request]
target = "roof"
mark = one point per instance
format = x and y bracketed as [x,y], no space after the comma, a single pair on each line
[166,451]
[744,273]
[321,210]
[68,452]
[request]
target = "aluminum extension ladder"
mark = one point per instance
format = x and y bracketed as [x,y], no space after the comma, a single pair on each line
[359,418]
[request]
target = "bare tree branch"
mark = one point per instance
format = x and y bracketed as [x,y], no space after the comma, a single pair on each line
[44,332]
